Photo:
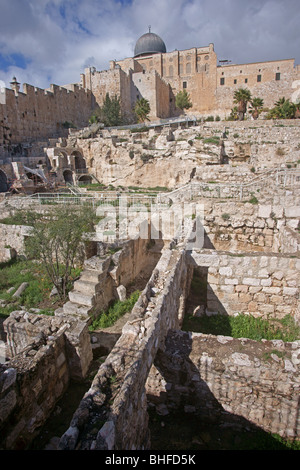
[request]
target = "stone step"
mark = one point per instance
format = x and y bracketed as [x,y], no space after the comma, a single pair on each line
[71,308]
[92,275]
[81,299]
[85,286]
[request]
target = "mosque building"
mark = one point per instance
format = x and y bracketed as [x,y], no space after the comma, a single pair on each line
[158,75]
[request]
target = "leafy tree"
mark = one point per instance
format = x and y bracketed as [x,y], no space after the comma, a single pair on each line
[242,97]
[142,109]
[56,239]
[183,100]
[256,107]
[233,114]
[109,113]
[283,109]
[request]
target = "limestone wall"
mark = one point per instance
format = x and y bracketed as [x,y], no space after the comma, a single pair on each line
[257,383]
[245,76]
[46,353]
[35,114]
[122,377]
[146,159]
[12,240]
[238,226]
[266,285]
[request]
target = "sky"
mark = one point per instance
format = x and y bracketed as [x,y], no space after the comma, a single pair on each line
[53,41]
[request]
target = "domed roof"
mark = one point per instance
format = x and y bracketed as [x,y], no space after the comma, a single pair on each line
[149,43]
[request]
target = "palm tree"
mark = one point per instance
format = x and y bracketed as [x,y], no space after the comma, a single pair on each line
[283,109]
[142,109]
[256,107]
[242,97]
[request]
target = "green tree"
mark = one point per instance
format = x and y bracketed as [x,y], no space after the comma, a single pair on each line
[256,106]
[56,239]
[142,110]
[183,100]
[283,109]
[242,97]
[109,113]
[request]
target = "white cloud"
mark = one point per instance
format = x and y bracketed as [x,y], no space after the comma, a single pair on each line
[61,37]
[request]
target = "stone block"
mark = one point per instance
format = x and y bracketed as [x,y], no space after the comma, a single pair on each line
[241,288]
[230,281]
[290,291]
[266,282]
[292,211]
[249,281]
[271,290]
[225,271]
[264,211]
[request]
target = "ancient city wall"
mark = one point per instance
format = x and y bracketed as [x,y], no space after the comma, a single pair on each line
[35,113]
[211,376]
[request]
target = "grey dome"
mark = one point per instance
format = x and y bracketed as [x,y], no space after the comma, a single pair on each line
[149,43]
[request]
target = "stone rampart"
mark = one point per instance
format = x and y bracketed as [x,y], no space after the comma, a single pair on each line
[37,114]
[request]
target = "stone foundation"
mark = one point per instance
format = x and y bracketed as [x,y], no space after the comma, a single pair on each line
[212,375]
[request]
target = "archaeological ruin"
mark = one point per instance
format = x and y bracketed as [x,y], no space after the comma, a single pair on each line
[201,216]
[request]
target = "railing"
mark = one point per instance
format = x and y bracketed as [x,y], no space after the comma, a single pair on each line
[281,176]
[112,199]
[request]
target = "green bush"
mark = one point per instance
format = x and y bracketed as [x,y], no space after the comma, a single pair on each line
[116,311]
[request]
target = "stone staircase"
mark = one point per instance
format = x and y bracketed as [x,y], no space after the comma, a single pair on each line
[87,289]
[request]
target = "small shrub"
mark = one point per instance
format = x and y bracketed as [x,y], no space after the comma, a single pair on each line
[116,311]
[253,200]
[280,152]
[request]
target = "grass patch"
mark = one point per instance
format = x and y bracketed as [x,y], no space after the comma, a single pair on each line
[244,326]
[13,274]
[212,140]
[116,311]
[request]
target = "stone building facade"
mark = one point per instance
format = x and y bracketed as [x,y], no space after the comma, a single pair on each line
[158,76]
[36,115]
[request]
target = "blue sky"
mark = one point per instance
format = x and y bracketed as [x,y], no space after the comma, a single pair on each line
[52,41]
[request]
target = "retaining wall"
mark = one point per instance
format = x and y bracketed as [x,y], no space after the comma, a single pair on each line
[260,285]
[212,376]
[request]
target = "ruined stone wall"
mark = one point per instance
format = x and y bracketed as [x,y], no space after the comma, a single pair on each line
[147,159]
[46,352]
[214,376]
[122,377]
[12,238]
[262,286]
[238,226]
